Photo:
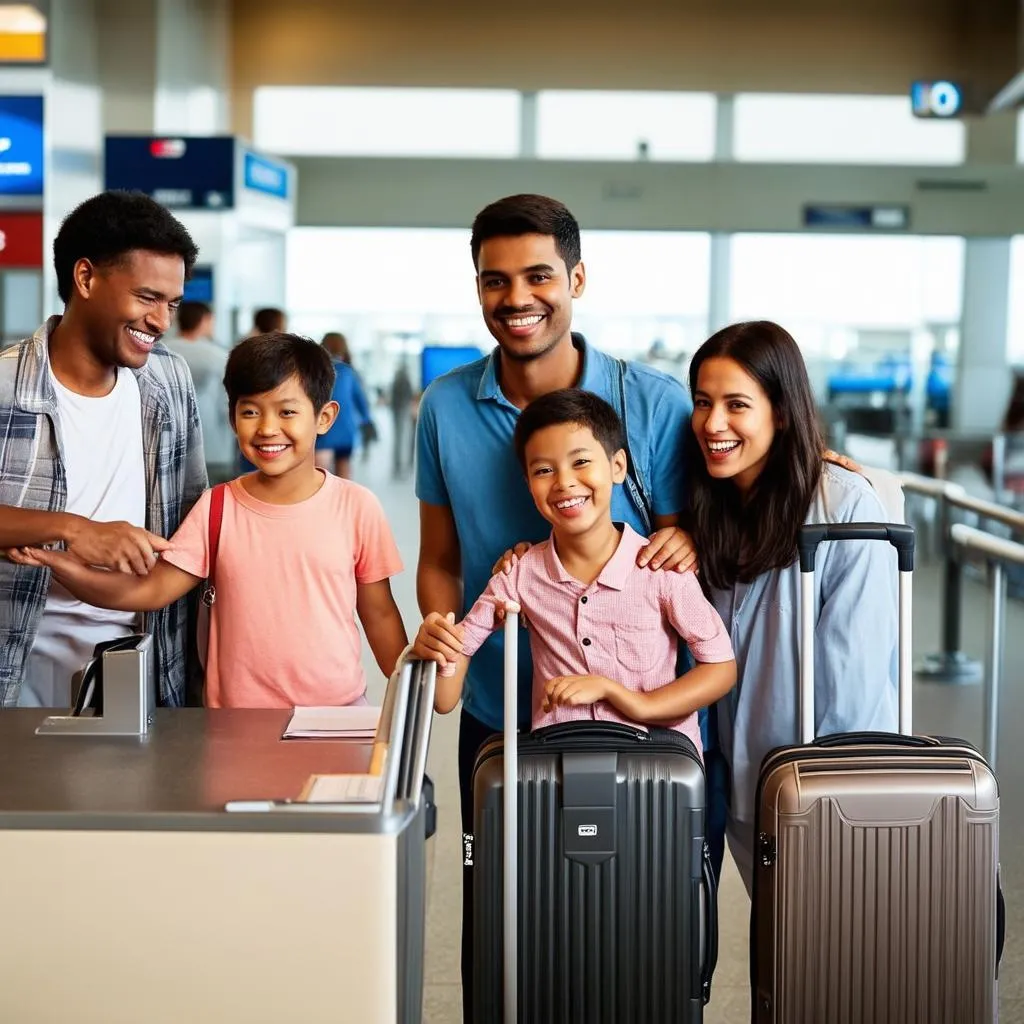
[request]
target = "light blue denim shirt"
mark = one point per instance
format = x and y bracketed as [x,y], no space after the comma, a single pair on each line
[855,642]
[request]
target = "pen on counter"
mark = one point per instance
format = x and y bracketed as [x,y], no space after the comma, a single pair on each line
[260,806]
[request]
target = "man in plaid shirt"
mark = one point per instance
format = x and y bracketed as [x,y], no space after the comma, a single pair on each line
[100,446]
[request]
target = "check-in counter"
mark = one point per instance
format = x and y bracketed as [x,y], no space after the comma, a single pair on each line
[128,894]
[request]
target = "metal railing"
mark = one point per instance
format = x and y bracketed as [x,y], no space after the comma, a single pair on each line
[997,552]
[951,664]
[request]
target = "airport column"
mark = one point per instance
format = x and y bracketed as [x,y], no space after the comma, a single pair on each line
[720,270]
[983,375]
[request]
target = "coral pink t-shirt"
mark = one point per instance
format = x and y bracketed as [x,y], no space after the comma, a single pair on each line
[283,630]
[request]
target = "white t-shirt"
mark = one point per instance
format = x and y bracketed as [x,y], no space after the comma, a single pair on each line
[106,477]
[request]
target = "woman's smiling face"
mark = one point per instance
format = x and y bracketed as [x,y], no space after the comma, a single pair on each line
[733,420]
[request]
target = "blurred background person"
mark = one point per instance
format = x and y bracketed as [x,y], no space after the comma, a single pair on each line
[334,449]
[206,361]
[401,402]
[268,320]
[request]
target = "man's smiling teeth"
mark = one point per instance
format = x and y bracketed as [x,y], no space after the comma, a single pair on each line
[722,446]
[570,503]
[146,339]
[523,321]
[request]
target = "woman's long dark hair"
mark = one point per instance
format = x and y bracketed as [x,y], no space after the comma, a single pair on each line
[739,539]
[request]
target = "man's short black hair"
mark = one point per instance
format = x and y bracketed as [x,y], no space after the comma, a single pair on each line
[191,315]
[263,362]
[267,320]
[528,215]
[570,405]
[105,228]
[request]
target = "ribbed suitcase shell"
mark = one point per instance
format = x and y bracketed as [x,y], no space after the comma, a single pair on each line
[617,942]
[875,883]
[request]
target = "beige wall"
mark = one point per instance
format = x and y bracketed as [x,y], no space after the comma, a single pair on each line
[871,46]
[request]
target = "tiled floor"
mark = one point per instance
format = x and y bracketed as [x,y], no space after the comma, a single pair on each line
[947,710]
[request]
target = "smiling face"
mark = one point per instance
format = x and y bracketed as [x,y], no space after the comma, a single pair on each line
[128,305]
[526,294]
[277,430]
[571,477]
[733,421]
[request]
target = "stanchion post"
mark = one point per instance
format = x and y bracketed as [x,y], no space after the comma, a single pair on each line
[950,665]
[995,659]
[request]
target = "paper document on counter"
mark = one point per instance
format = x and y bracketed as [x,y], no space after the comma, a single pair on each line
[343,789]
[356,722]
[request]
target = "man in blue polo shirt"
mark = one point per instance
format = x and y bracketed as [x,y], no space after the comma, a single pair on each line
[474,502]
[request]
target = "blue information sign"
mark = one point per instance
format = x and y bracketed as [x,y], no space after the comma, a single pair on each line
[265,175]
[21,145]
[181,173]
[857,218]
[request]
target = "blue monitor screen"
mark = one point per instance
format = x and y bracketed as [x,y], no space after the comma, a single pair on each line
[439,359]
[199,287]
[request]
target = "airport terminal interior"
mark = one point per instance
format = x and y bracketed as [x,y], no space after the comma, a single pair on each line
[854,172]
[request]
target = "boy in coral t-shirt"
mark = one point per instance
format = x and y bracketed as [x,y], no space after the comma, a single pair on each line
[300,553]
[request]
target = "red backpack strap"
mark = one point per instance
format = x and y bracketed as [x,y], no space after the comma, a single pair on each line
[216,518]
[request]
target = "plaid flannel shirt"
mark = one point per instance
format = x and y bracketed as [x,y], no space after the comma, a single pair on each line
[32,475]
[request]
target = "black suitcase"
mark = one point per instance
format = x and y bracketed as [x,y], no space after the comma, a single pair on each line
[607,866]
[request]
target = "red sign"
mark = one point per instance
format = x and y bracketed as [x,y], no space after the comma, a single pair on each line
[21,240]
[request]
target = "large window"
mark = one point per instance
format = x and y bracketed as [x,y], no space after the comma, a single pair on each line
[328,121]
[584,125]
[818,284]
[842,129]
[853,300]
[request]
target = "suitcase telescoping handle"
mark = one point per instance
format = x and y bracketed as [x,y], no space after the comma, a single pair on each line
[902,539]
[510,796]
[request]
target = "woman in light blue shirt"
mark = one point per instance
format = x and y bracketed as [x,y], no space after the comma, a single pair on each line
[757,473]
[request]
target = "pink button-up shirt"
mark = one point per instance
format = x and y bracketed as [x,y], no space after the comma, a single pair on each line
[625,626]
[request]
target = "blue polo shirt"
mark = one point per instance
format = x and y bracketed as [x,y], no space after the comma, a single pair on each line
[465,461]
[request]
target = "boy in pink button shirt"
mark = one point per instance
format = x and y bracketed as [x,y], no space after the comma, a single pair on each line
[603,632]
[301,552]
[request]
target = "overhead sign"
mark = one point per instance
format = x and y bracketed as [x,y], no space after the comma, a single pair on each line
[22,34]
[936,99]
[21,145]
[21,240]
[838,217]
[181,172]
[261,174]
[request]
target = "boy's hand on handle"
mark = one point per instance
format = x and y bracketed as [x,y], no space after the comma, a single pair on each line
[509,558]
[669,548]
[438,639]
[118,546]
[576,691]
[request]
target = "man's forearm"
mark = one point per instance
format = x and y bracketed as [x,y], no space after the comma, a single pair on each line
[438,590]
[29,527]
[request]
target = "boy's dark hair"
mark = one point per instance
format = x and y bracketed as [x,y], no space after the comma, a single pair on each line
[267,320]
[105,228]
[528,215]
[191,314]
[261,363]
[570,405]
